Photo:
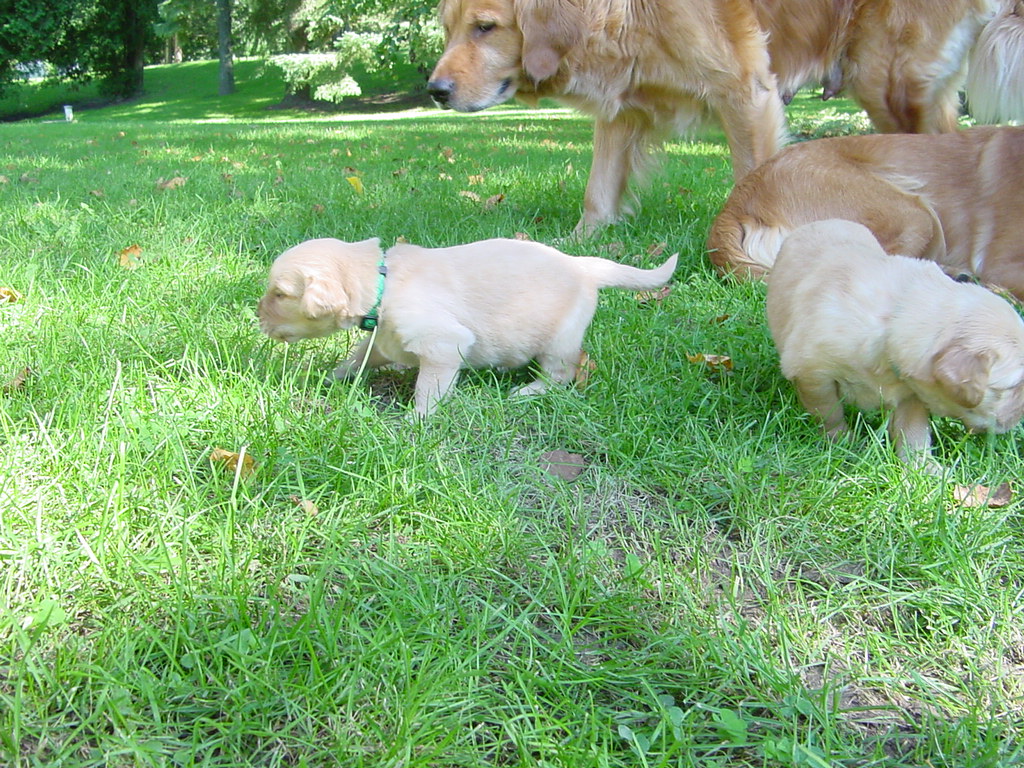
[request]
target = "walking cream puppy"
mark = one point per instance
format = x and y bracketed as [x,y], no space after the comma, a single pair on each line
[494,303]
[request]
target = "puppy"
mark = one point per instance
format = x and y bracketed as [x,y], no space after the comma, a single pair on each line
[495,303]
[890,331]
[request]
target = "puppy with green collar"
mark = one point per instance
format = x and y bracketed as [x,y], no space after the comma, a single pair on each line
[494,303]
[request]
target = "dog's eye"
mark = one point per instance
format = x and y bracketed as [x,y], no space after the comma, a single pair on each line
[483,27]
[278,294]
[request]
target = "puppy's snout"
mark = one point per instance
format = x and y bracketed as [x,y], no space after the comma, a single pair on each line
[441,90]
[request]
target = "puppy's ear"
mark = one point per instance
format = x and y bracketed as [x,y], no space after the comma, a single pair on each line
[323,297]
[551,28]
[963,373]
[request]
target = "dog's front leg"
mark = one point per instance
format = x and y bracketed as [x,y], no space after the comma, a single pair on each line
[754,122]
[364,351]
[820,398]
[911,435]
[618,146]
[435,380]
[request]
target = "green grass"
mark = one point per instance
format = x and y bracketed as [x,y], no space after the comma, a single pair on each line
[718,587]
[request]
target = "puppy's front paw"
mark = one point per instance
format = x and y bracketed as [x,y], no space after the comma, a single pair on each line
[536,387]
[348,369]
[837,433]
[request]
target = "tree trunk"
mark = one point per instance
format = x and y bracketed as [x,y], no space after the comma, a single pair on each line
[227,64]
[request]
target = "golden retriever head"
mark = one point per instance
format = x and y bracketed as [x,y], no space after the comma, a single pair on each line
[316,288]
[984,383]
[494,44]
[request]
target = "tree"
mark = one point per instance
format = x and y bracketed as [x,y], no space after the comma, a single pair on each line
[80,39]
[227,71]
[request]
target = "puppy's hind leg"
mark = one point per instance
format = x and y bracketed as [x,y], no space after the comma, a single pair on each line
[554,369]
[560,360]
[820,397]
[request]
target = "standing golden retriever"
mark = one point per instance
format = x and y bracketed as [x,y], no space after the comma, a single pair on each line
[642,68]
[645,69]
[903,61]
[954,198]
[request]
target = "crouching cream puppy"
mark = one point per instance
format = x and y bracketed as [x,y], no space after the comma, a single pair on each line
[895,332]
[495,303]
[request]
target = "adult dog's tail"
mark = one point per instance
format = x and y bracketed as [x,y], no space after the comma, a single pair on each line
[740,246]
[611,274]
[995,73]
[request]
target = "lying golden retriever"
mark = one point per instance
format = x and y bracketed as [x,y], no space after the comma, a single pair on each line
[646,69]
[495,303]
[954,198]
[887,331]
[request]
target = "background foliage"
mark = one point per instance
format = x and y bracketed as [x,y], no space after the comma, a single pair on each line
[112,40]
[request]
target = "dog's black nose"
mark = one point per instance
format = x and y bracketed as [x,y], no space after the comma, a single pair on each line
[441,90]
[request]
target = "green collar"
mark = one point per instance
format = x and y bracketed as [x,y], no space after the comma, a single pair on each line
[369,321]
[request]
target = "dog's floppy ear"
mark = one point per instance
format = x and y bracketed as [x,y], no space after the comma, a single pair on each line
[330,285]
[963,373]
[323,296]
[550,30]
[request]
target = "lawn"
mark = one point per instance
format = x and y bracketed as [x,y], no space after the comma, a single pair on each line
[716,588]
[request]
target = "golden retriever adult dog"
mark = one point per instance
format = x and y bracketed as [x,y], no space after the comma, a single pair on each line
[903,61]
[494,303]
[954,198]
[645,69]
[888,331]
[641,68]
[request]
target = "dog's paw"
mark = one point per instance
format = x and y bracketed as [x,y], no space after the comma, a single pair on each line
[533,388]
[349,369]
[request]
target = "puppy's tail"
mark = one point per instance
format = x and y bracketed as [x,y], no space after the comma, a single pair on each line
[611,274]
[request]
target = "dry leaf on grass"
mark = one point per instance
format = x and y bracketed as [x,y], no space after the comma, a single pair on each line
[470,195]
[493,200]
[657,249]
[584,368]
[714,362]
[357,184]
[983,496]
[9,296]
[309,507]
[654,297]
[175,182]
[563,464]
[228,460]
[18,382]
[129,257]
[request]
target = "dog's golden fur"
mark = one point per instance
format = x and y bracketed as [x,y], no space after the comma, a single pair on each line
[888,331]
[954,198]
[902,60]
[645,69]
[494,303]
[642,68]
